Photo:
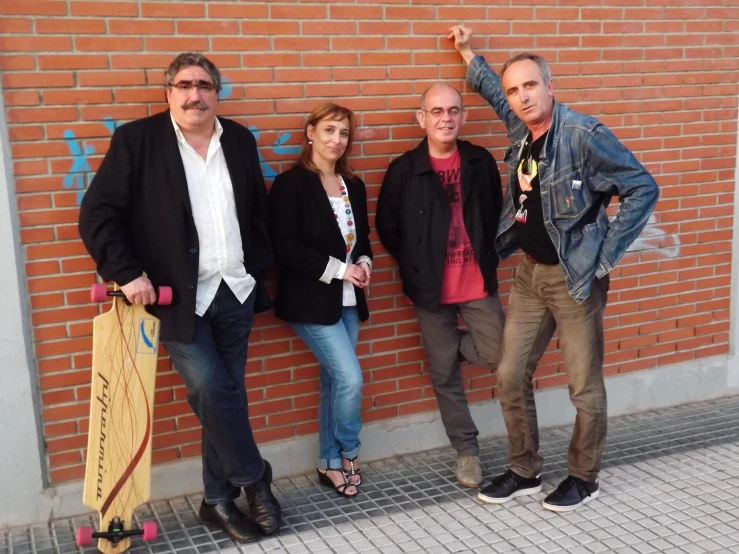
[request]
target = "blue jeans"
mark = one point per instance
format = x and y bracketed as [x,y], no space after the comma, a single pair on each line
[212,367]
[341,386]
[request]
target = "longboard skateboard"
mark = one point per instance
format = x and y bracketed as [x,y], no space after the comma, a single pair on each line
[125,342]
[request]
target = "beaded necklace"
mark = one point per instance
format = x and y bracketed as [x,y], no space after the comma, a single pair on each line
[349,237]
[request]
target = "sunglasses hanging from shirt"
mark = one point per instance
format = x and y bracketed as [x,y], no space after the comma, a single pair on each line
[527,171]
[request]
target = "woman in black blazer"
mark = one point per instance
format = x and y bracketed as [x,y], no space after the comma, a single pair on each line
[320,233]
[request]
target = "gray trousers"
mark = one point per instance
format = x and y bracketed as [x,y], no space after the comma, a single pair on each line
[446,345]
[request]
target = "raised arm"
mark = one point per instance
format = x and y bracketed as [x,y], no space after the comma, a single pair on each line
[481,78]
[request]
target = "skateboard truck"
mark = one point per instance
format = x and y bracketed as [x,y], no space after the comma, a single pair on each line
[98,293]
[116,533]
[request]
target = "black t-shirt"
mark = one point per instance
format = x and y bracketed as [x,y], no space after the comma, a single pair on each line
[532,234]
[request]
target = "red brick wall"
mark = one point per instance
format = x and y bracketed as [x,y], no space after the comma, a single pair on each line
[662,74]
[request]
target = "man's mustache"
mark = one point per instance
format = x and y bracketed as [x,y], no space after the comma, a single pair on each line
[198,105]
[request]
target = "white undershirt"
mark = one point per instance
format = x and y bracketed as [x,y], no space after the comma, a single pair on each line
[350,299]
[221,255]
[335,269]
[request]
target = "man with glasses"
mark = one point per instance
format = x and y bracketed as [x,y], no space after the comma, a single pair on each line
[563,170]
[437,215]
[179,200]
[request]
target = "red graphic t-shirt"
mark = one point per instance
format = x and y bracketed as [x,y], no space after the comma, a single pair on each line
[462,280]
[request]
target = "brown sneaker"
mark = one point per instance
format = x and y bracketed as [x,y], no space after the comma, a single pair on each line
[468,471]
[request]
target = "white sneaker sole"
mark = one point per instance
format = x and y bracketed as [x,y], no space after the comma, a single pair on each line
[574,506]
[497,500]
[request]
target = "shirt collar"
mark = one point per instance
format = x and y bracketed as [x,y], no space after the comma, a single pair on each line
[181,137]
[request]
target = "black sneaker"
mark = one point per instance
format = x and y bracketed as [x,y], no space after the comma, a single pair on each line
[571,493]
[507,486]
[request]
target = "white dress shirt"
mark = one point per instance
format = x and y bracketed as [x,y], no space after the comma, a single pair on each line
[221,254]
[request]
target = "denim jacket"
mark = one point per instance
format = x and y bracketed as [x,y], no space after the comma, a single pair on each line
[582,166]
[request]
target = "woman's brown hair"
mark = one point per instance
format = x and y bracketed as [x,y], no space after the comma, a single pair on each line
[332,112]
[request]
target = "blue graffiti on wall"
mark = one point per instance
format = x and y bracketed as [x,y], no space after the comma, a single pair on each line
[277,148]
[226,88]
[80,171]
[75,177]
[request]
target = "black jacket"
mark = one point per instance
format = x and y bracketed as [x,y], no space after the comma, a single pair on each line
[136,216]
[305,233]
[413,218]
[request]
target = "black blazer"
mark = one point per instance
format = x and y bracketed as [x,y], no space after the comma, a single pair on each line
[136,215]
[305,233]
[413,217]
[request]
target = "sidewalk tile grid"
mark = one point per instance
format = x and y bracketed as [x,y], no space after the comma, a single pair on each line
[669,484]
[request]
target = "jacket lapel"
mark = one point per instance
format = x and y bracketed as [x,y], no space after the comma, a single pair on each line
[173,161]
[420,157]
[316,189]
[467,169]
[235,164]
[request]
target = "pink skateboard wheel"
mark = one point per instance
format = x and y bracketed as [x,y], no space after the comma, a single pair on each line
[98,293]
[150,527]
[164,296]
[83,537]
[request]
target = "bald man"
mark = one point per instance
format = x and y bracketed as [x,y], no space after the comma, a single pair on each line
[437,215]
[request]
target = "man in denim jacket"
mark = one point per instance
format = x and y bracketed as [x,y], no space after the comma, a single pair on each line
[564,168]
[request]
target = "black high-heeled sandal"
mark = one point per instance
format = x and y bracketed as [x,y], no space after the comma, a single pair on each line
[326,481]
[353,471]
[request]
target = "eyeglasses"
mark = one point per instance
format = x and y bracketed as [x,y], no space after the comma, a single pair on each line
[187,86]
[438,112]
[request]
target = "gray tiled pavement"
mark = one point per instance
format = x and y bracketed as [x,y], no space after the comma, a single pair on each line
[670,483]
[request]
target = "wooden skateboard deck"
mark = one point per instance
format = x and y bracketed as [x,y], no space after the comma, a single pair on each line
[118,473]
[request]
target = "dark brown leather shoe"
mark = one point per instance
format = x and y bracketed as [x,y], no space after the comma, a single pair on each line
[263,506]
[232,520]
